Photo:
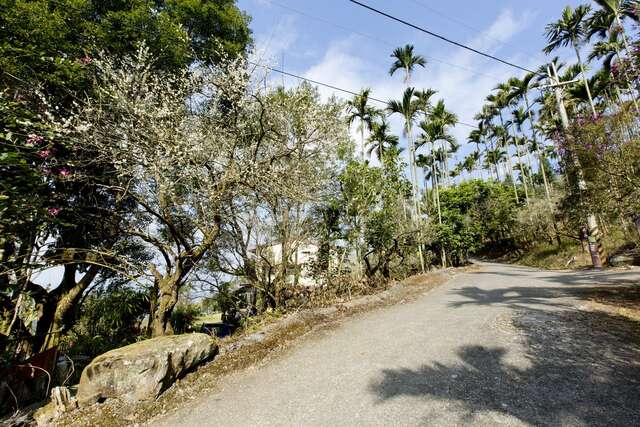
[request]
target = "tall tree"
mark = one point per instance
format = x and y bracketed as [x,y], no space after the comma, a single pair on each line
[520,89]
[571,30]
[443,119]
[359,109]
[498,102]
[48,67]
[409,108]
[382,140]
[476,137]
[608,19]
[185,166]
[406,60]
[434,130]
[607,25]
[520,143]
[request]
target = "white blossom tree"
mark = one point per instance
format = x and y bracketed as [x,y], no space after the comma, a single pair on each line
[186,147]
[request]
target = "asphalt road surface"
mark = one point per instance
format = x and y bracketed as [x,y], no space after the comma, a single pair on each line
[503,346]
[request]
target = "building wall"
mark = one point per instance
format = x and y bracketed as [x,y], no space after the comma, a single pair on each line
[306,253]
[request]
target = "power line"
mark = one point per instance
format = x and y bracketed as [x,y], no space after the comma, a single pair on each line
[315,82]
[456,21]
[443,38]
[376,39]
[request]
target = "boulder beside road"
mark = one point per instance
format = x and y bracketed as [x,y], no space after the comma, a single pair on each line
[143,370]
[631,257]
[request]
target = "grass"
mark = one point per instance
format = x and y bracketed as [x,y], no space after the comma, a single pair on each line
[208,318]
[554,257]
[568,255]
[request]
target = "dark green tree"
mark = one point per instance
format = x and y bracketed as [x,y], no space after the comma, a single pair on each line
[52,196]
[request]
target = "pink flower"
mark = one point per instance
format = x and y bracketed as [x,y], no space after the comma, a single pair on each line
[615,70]
[54,211]
[33,139]
[65,172]
[44,154]
[86,60]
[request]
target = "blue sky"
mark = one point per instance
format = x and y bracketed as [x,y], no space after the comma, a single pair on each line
[337,42]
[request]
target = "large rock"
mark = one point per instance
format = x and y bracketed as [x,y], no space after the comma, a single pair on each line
[143,370]
[631,257]
[61,402]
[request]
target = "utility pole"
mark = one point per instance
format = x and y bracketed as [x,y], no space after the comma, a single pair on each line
[592,223]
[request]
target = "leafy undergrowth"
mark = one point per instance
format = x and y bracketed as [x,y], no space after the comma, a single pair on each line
[570,255]
[206,379]
[554,257]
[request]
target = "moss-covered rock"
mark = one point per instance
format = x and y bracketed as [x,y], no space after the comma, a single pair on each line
[143,370]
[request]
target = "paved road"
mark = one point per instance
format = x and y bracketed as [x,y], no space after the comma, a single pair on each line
[503,346]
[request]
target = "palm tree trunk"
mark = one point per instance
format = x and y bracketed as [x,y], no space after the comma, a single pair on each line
[362,140]
[584,78]
[524,175]
[480,161]
[530,165]
[513,176]
[443,254]
[535,141]
[625,41]
[623,33]
[414,188]
[506,147]
[592,222]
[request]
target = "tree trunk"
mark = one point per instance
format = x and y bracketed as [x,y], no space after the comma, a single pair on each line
[584,79]
[284,258]
[509,165]
[167,286]
[60,306]
[524,175]
[592,222]
[167,299]
[67,305]
[538,152]
[414,187]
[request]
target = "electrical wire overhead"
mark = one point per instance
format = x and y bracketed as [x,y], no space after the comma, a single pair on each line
[339,89]
[376,39]
[443,38]
[456,21]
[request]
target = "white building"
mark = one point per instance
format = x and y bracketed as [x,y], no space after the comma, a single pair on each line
[301,258]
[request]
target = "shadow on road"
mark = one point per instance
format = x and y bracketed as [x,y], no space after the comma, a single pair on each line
[581,285]
[570,278]
[521,297]
[578,368]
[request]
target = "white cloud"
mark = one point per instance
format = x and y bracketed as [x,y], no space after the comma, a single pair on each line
[341,68]
[270,46]
[463,88]
[503,29]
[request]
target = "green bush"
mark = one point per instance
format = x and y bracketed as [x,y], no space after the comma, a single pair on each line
[184,318]
[108,319]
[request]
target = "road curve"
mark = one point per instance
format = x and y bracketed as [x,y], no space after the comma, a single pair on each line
[505,345]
